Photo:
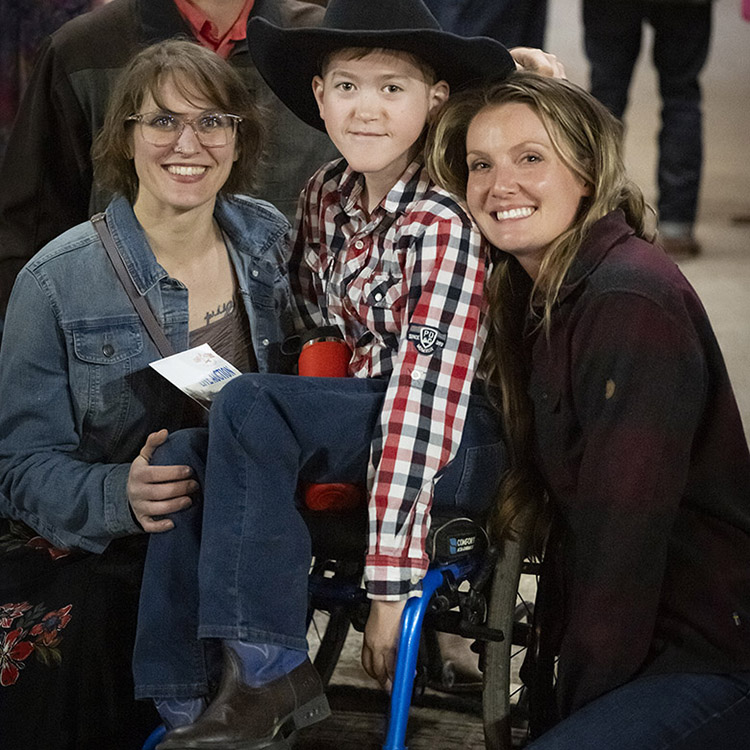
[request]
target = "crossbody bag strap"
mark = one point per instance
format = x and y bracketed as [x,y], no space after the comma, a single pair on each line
[141,306]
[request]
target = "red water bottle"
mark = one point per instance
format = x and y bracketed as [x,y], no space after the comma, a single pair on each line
[324,353]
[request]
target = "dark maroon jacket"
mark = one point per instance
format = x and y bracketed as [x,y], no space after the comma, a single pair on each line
[641,445]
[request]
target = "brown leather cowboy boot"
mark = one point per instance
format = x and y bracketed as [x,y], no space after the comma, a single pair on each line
[247,718]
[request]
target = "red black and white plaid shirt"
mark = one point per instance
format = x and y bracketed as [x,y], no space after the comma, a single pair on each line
[404,285]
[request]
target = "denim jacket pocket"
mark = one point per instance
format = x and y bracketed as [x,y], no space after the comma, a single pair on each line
[106,355]
[107,344]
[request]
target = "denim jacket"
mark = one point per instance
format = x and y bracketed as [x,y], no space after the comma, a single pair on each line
[78,395]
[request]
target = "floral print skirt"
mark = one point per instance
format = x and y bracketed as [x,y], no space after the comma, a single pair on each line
[67,624]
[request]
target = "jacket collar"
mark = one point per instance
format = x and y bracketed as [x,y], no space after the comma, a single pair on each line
[609,231]
[267,228]
[251,237]
[131,242]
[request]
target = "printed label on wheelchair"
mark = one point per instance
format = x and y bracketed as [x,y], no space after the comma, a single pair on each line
[455,539]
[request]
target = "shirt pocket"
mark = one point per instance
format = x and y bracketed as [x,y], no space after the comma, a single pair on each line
[381,299]
[556,438]
[547,421]
[106,357]
[546,398]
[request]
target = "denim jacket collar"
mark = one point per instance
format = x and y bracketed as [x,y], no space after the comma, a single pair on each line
[131,242]
[254,240]
[145,270]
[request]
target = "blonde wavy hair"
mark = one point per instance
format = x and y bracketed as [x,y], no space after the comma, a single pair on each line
[588,140]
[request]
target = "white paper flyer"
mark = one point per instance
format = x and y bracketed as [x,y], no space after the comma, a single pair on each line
[199,372]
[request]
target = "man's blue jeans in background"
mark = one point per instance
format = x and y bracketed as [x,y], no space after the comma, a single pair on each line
[682,34]
[661,712]
[235,566]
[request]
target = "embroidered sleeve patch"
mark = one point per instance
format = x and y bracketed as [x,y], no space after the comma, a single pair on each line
[426,338]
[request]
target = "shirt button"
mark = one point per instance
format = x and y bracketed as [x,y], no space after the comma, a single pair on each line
[255,273]
[265,342]
[359,244]
[108,350]
[378,297]
[416,374]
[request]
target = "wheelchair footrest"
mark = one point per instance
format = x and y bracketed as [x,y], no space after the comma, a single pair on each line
[452,622]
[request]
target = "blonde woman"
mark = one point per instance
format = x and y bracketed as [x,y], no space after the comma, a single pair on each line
[620,414]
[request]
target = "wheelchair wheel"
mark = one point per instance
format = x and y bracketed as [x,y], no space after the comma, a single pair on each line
[506,613]
[328,631]
[335,606]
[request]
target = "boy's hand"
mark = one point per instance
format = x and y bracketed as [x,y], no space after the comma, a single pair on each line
[538,61]
[157,490]
[381,640]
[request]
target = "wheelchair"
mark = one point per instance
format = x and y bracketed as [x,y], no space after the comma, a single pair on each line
[471,589]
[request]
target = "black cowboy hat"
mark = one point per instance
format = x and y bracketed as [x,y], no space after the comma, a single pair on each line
[288,59]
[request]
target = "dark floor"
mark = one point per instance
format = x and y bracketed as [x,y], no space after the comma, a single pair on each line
[358,723]
[437,719]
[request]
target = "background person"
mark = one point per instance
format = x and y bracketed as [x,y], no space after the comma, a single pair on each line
[623,406]
[514,23]
[612,34]
[81,409]
[47,175]
[24,27]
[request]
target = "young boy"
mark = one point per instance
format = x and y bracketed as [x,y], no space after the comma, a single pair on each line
[398,267]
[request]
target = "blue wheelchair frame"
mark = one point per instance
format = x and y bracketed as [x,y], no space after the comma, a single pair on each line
[408,649]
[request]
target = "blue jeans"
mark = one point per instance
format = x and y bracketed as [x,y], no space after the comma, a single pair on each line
[235,566]
[661,712]
[682,34]
[515,23]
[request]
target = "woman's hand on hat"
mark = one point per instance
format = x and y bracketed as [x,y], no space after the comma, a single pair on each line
[538,61]
[155,491]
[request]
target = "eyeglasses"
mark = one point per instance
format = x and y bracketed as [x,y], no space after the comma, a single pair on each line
[212,129]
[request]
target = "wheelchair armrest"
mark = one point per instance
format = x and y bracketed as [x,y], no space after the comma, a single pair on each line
[343,536]
[452,539]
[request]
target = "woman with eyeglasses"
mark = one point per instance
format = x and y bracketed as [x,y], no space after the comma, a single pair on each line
[82,411]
